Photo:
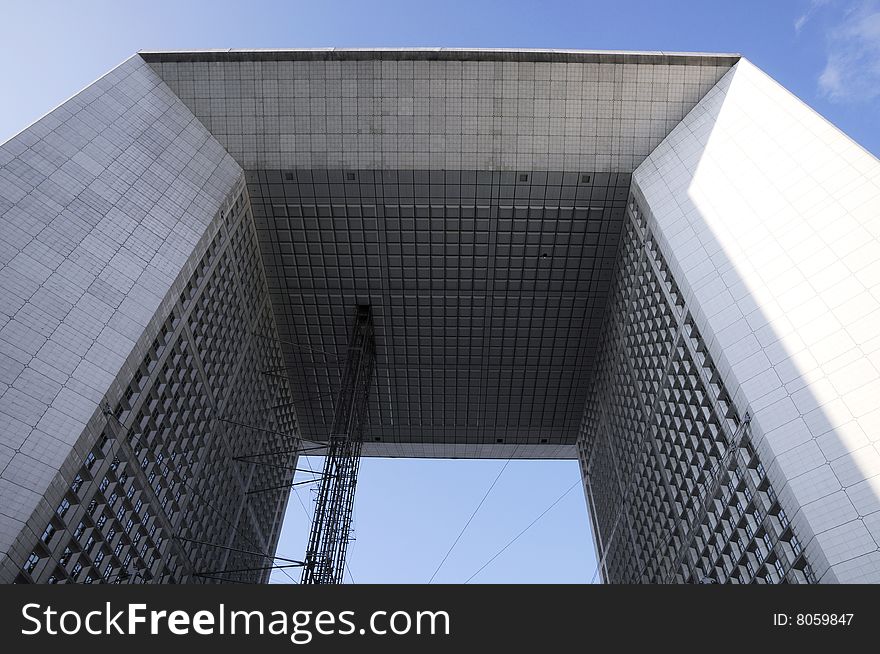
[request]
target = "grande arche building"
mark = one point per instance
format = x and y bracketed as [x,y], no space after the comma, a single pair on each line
[663,265]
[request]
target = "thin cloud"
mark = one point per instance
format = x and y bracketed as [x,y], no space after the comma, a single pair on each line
[852,68]
[813,7]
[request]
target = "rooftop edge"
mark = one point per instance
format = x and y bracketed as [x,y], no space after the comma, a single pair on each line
[442,54]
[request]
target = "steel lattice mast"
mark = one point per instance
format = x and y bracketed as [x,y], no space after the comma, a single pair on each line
[331,525]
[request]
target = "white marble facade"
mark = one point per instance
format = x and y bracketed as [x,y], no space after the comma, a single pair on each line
[770,220]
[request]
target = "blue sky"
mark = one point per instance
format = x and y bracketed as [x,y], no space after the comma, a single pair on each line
[409,511]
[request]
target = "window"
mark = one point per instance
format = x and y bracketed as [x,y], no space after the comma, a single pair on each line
[31,562]
[105,482]
[92,506]
[783,519]
[77,483]
[65,556]
[120,514]
[62,508]
[80,529]
[111,534]
[102,521]
[779,570]
[48,532]
[74,574]
[90,460]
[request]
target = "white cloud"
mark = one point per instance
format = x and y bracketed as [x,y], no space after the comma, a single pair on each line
[814,5]
[852,69]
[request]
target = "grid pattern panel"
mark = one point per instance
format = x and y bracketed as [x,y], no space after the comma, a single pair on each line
[160,494]
[102,202]
[788,289]
[443,110]
[678,491]
[487,291]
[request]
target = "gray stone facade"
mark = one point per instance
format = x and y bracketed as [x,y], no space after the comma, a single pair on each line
[116,206]
[676,489]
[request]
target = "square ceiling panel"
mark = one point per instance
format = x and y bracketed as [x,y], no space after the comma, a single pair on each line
[487,291]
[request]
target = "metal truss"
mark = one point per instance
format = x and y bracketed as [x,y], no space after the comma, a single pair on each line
[331,526]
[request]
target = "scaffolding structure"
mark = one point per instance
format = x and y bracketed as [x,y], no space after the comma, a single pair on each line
[331,526]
